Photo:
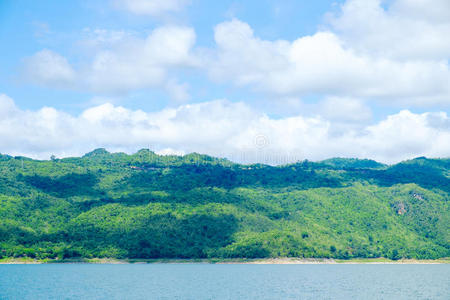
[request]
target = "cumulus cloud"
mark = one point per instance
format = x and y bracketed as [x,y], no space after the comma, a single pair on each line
[323,63]
[397,52]
[178,91]
[7,106]
[151,7]
[141,63]
[219,128]
[344,110]
[49,68]
[405,30]
[120,67]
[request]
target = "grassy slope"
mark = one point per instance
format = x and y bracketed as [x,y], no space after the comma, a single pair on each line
[148,206]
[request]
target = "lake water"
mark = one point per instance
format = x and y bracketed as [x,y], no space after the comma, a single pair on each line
[233,281]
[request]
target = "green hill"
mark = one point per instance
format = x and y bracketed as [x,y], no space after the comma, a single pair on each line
[196,206]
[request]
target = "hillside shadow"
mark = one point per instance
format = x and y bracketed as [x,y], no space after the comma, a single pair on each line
[64,186]
[424,176]
[187,177]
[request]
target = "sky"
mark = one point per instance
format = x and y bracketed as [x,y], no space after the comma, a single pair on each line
[252,81]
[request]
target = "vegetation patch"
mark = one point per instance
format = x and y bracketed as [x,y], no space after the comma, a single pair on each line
[149,207]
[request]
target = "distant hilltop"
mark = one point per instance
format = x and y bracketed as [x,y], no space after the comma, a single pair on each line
[145,205]
[339,162]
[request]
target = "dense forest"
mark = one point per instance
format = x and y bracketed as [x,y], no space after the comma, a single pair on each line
[194,206]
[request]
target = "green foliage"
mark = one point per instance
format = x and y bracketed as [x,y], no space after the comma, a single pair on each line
[195,206]
[349,163]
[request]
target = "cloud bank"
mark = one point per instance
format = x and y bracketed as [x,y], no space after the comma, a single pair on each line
[220,128]
[324,63]
[121,63]
[397,54]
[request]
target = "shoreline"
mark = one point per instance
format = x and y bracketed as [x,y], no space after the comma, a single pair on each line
[260,261]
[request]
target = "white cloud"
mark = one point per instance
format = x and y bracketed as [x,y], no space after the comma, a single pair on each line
[151,7]
[344,110]
[324,64]
[49,68]
[406,134]
[7,106]
[142,63]
[399,55]
[94,39]
[170,151]
[123,64]
[436,11]
[219,128]
[178,91]
[405,30]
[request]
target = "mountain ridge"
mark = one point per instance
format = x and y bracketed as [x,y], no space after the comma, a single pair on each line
[146,205]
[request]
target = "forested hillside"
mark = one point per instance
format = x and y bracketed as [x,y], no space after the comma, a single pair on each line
[195,206]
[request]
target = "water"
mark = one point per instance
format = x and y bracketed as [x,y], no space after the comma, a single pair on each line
[209,281]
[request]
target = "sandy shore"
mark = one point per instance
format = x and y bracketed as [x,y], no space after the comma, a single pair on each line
[350,261]
[230,261]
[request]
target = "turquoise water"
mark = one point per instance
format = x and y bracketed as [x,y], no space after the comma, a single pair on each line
[213,281]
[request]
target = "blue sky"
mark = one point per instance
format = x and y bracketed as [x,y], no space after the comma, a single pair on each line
[316,79]
[30,26]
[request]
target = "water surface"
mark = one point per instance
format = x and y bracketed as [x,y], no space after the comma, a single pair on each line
[230,281]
